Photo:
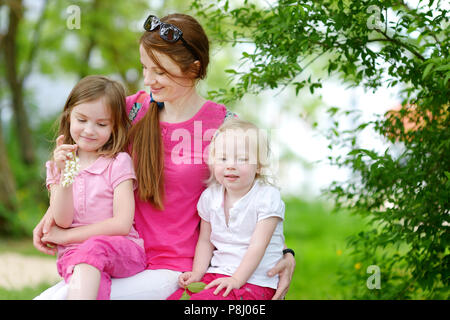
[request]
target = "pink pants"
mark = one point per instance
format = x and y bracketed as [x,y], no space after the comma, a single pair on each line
[247,292]
[114,256]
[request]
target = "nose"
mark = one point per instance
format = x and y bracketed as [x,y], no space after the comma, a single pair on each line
[231,165]
[148,79]
[88,129]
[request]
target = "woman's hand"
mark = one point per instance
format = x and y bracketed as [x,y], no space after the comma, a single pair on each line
[188,277]
[227,283]
[43,227]
[56,235]
[62,152]
[285,269]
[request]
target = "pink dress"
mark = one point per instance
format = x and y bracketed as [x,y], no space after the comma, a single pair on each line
[170,235]
[93,192]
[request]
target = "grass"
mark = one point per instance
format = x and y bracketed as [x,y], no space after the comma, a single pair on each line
[27,293]
[317,235]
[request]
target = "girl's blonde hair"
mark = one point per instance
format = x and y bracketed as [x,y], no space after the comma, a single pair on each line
[92,88]
[262,147]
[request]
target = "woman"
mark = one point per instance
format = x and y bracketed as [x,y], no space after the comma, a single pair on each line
[168,144]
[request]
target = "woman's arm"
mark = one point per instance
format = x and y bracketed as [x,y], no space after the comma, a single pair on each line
[285,270]
[119,225]
[42,227]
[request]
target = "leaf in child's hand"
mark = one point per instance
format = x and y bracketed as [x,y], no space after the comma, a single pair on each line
[196,287]
[185,296]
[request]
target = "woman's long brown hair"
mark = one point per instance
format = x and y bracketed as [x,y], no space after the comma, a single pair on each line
[145,136]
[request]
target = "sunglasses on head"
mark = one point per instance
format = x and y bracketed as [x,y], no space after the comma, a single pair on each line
[167,32]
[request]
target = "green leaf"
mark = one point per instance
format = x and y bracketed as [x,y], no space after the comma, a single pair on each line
[196,287]
[185,296]
[427,70]
[231,71]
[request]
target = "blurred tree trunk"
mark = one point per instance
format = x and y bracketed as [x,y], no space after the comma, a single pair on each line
[15,83]
[7,183]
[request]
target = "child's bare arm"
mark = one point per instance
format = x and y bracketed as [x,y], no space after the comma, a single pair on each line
[61,197]
[202,258]
[119,225]
[61,205]
[204,249]
[255,252]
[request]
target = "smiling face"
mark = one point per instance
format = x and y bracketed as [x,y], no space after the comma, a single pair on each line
[166,84]
[90,125]
[235,161]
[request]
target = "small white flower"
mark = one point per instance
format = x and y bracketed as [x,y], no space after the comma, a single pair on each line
[71,170]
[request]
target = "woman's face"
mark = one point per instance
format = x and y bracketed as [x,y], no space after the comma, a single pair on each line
[165,86]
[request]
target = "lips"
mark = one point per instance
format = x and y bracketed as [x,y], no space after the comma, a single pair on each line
[88,139]
[156,90]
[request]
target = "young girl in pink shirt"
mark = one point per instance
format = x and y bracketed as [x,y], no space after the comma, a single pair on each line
[93,206]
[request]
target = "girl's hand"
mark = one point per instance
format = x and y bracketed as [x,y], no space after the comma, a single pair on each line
[285,269]
[188,277]
[56,235]
[63,152]
[229,283]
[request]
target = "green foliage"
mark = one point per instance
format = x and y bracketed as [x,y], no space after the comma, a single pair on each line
[290,35]
[32,197]
[403,190]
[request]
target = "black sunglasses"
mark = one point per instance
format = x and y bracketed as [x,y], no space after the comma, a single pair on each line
[167,32]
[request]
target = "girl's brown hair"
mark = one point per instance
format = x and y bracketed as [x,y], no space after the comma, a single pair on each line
[145,136]
[92,88]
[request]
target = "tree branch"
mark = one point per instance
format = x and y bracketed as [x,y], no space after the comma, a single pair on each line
[399,43]
[34,44]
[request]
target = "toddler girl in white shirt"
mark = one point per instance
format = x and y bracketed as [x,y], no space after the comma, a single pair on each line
[241,232]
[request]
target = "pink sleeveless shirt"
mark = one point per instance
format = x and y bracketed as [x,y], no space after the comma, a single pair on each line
[170,235]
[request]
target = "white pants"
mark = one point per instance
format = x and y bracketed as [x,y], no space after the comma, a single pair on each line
[146,285]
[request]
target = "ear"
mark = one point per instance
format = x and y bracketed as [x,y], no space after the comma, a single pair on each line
[196,67]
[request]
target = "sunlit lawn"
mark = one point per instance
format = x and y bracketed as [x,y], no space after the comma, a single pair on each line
[318,237]
[315,233]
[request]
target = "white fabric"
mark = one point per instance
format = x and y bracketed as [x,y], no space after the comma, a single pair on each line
[146,285]
[232,241]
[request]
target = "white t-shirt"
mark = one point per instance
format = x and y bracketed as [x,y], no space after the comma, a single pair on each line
[232,241]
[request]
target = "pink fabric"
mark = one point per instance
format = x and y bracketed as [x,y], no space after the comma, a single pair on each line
[93,191]
[170,235]
[247,292]
[114,256]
